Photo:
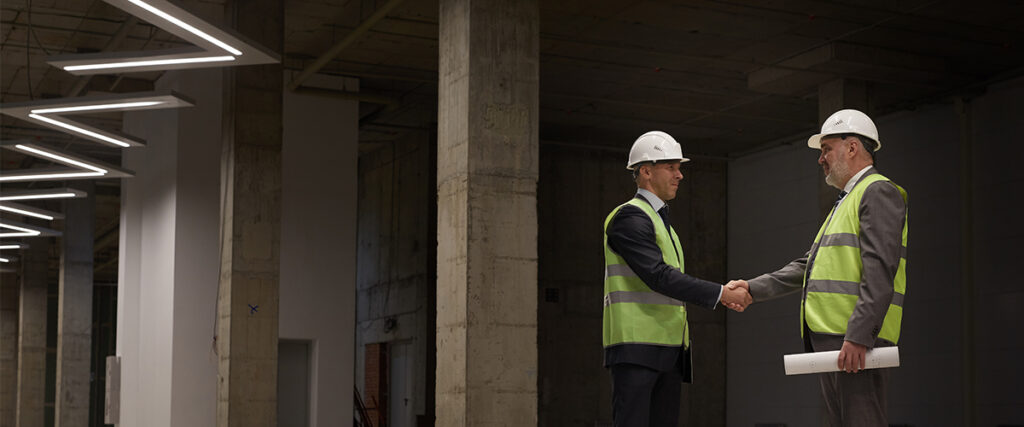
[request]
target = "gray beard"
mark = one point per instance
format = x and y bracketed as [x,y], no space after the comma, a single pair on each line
[838,171]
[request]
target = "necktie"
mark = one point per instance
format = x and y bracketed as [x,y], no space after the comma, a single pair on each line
[663,213]
[840,198]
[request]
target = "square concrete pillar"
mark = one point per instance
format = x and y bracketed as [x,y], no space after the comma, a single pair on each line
[74,310]
[247,312]
[487,213]
[32,334]
[8,346]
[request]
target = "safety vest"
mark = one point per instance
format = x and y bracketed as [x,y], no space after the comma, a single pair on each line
[633,313]
[832,286]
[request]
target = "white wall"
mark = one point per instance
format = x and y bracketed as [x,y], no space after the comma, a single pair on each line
[169,259]
[318,245]
[773,217]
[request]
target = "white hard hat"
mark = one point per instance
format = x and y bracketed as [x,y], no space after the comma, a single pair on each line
[846,121]
[655,146]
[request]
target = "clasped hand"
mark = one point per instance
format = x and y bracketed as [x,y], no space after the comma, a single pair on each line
[736,295]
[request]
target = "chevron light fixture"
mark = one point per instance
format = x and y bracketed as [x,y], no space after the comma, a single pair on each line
[52,113]
[17,229]
[25,210]
[80,167]
[213,47]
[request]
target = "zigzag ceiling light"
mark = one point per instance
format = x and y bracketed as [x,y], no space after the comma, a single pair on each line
[4,246]
[24,210]
[17,229]
[80,167]
[213,47]
[52,113]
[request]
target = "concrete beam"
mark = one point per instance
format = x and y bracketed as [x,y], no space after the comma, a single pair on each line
[801,73]
[488,162]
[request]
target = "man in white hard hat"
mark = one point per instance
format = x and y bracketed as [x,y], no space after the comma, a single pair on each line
[854,278]
[646,336]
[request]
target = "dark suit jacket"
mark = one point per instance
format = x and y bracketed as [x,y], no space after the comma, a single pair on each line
[882,213]
[631,235]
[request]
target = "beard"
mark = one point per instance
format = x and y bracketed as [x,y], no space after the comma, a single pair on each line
[838,172]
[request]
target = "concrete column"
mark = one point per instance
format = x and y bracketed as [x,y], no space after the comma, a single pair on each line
[8,347]
[834,96]
[74,312]
[487,214]
[247,312]
[32,334]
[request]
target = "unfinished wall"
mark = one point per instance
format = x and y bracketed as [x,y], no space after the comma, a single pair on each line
[578,187]
[396,271]
[773,217]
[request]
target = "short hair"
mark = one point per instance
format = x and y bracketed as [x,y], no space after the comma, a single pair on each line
[868,144]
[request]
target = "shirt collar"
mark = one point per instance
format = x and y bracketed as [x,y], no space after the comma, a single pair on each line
[856,177]
[655,202]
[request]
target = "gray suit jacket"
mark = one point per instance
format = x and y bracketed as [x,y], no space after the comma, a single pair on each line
[882,213]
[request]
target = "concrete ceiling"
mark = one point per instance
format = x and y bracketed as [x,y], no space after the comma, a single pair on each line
[721,76]
[724,77]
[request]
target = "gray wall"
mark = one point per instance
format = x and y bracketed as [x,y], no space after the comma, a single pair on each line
[396,269]
[773,216]
[578,187]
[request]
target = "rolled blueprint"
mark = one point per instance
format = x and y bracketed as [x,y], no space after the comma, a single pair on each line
[825,361]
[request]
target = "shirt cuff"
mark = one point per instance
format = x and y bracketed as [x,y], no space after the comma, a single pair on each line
[720,292]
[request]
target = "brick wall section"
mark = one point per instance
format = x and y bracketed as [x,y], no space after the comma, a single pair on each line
[376,388]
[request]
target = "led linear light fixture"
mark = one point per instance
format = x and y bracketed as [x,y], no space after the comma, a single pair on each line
[214,47]
[83,168]
[17,229]
[9,246]
[51,113]
[50,193]
[25,210]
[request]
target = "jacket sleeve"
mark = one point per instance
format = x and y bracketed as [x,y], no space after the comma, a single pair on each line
[882,214]
[785,281]
[631,235]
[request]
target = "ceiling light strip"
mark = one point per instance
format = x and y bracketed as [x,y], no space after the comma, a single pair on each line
[55,175]
[131,64]
[186,26]
[79,130]
[61,159]
[38,196]
[25,232]
[122,105]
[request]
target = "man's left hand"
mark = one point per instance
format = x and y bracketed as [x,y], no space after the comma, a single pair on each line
[851,357]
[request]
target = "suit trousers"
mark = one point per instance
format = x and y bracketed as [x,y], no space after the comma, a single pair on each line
[643,397]
[855,400]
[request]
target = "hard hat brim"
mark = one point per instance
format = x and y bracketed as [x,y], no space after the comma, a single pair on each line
[815,141]
[633,166]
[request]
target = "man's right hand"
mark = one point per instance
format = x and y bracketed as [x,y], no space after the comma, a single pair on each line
[736,295]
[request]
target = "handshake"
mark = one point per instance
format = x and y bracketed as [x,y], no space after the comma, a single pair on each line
[736,295]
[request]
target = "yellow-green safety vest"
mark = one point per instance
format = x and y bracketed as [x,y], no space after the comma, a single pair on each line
[832,286]
[633,313]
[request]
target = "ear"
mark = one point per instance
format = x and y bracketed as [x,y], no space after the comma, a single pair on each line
[854,146]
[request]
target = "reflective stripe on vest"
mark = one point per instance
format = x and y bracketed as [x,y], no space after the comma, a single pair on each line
[633,313]
[833,283]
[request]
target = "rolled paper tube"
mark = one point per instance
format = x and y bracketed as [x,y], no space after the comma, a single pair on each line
[825,361]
